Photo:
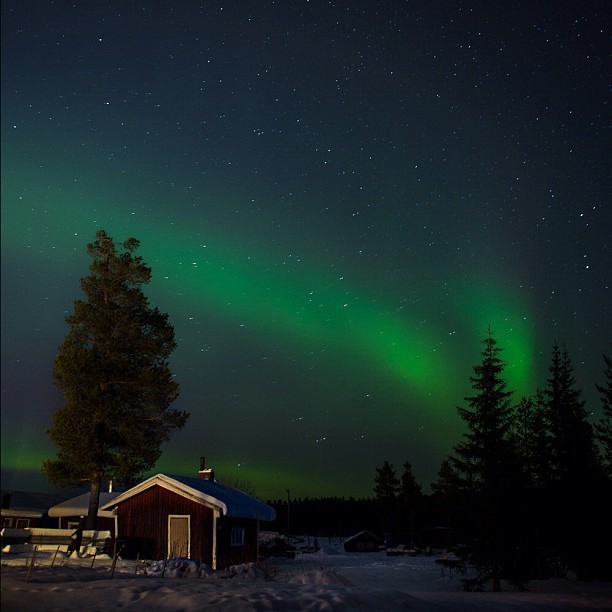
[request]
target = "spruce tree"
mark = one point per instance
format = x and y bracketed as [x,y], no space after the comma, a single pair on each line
[572,452]
[524,436]
[485,460]
[386,483]
[575,485]
[386,489]
[481,459]
[446,493]
[531,439]
[410,494]
[603,428]
[113,370]
[532,442]
[542,443]
[409,489]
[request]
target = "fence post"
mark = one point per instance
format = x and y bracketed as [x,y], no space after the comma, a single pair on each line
[115,556]
[55,555]
[31,563]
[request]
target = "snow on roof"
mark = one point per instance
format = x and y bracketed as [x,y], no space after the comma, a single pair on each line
[79,505]
[363,534]
[225,499]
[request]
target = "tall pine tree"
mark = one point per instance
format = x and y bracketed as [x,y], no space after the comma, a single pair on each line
[531,439]
[572,451]
[481,459]
[542,439]
[603,428]
[485,460]
[524,435]
[410,494]
[574,491]
[386,489]
[386,483]
[446,494]
[113,370]
[410,490]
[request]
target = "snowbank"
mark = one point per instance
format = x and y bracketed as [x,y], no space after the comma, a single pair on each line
[327,580]
[185,568]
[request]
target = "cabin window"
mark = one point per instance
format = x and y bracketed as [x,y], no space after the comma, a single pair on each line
[22,523]
[8,522]
[237,536]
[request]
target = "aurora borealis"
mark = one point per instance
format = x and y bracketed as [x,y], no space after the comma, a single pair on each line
[336,200]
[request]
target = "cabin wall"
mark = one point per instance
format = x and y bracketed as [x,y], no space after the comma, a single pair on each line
[143,524]
[23,521]
[230,552]
[363,543]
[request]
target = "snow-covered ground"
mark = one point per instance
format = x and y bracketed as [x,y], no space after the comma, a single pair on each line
[329,579]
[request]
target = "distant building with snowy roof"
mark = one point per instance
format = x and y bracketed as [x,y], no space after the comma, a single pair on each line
[22,509]
[364,541]
[68,513]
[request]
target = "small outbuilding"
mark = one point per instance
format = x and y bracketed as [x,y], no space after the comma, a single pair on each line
[196,518]
[22,509]
[68,513]
[364,541]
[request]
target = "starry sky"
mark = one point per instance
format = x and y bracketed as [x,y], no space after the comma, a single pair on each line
[337,199]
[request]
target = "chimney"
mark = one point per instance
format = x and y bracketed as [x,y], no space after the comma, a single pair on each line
[206,474]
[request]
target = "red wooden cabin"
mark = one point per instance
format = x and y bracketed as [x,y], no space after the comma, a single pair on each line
[189,517]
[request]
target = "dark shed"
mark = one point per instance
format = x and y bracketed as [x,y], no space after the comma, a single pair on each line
[22,509]
[364,541]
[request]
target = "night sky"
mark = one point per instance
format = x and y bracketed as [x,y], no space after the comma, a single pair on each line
[336,199]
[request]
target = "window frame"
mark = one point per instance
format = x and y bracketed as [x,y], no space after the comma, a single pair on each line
[237,536]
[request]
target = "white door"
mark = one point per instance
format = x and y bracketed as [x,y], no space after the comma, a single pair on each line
[179,533]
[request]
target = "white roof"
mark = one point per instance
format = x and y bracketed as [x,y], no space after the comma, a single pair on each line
[223,498]
[79,505]
[361,534]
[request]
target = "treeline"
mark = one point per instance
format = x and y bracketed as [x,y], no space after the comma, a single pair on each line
[525,493]
[341,517]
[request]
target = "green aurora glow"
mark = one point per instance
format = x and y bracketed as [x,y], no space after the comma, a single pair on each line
[336,205]
[307,308]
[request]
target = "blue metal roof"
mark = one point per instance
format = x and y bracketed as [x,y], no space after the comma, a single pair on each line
[237,503]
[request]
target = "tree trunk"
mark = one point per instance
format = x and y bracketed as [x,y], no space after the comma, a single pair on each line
[94,502]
